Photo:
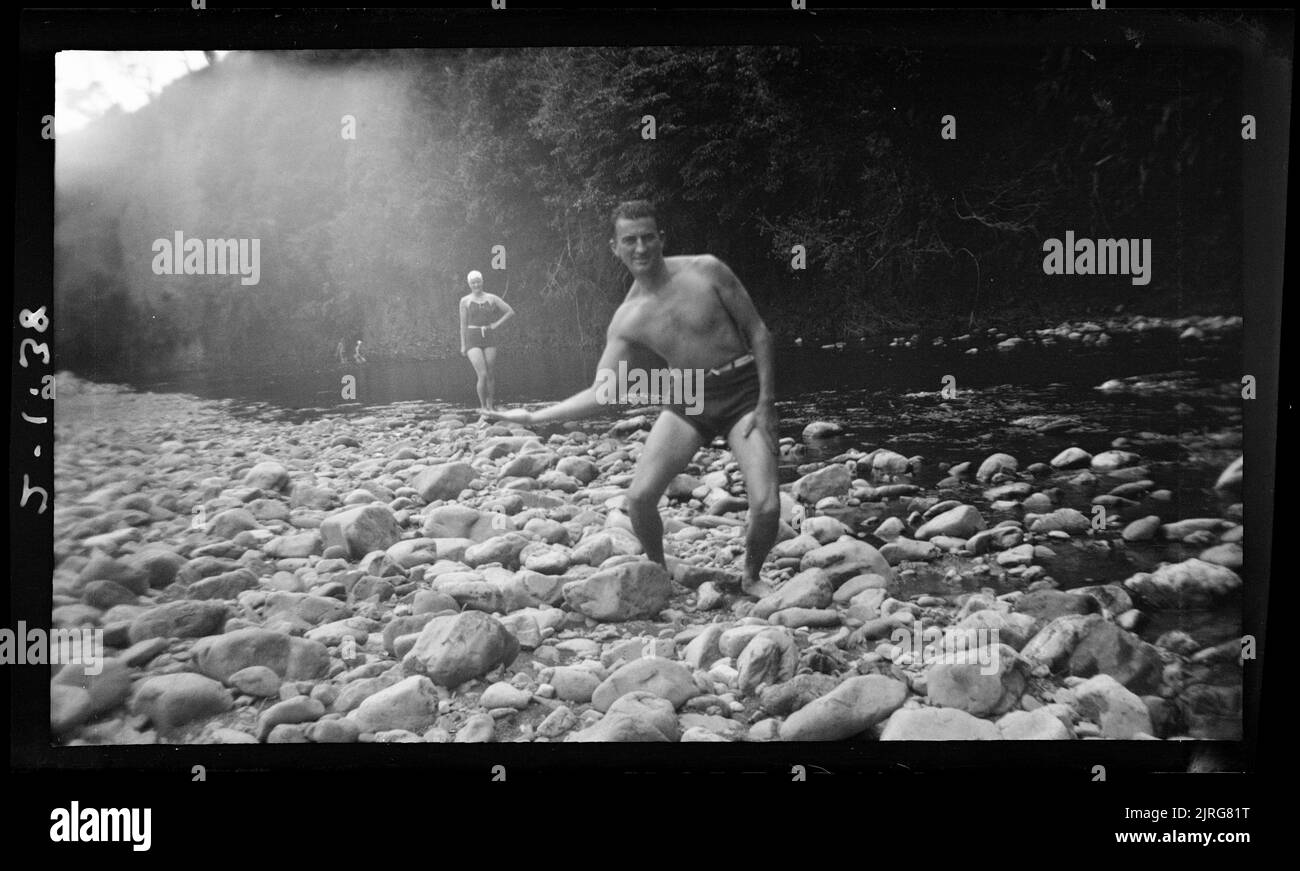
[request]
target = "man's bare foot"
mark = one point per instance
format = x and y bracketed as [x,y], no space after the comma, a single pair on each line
[756,588]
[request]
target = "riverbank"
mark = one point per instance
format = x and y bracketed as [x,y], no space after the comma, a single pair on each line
[406,573]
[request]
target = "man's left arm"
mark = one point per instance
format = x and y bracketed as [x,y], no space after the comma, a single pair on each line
[741,306]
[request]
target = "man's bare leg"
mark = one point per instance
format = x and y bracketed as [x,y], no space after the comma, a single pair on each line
[758,466]
[669,447]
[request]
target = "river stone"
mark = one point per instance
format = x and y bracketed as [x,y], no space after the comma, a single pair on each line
[1121,713]
[833,480]
[340,730]
[357,691]
[227,585]
[1231,478]
[297,545]
[693,576]
[1189,585]
[662,677]
[108,687]
[1051,647]
[1111,597]
[938,724]
[525,630]
[220,656]
[307,607]
[504,695]
[1142,529]
[996,463]
[820,429]
[786,698]
[703,650]
[125,572]
[637,716]
[1107,649]
[988,624]
[845,558]
[854,706]
[631,591]
[268,475]
[410,704]
[159,566]
[454,649]
[502,549]
[960,522]
[227,524]
[578,467]
[1230,555]
[256,680]
[1072,458]
[69,707]
[969,685]
[1036,725]
[528,465]
[573,684]
[300,709]
[106,594]
[1108,461]
[808,589]
[361,529]
[901,549]
[1063,519]
[593,550]
[886,463]
[449,521]
[1046,605]
[771,657]
[172,700]
[180,619]
[443,481]
[413,623]
[414,552]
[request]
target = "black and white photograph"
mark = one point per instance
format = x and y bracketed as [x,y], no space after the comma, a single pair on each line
[884,386]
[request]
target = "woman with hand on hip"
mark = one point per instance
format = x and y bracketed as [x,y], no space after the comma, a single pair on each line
[481,314]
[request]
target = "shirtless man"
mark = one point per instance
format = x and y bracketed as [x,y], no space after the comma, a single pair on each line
[694,313]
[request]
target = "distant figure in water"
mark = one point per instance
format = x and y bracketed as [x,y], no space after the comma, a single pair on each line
[481,314]
[356,355]
[341,352]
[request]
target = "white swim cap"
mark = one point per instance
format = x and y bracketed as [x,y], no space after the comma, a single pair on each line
[474,273]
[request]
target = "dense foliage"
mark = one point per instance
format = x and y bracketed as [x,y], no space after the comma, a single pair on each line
[756,150]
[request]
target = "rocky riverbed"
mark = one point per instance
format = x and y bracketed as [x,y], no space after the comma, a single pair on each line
[413,574]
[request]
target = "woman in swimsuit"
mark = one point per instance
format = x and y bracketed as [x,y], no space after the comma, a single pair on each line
[481,314]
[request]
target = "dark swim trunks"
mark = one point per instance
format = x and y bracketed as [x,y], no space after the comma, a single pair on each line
[727,398]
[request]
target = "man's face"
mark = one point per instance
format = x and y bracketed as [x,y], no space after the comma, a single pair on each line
[639,244]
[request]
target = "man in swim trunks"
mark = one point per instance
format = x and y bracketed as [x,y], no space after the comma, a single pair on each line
[695,314]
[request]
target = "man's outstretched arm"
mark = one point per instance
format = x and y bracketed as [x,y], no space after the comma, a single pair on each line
[584,403]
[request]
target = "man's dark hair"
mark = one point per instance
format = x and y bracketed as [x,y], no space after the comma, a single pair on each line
[631,210]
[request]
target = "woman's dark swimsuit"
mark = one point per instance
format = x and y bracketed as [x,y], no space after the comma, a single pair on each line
[481,314]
